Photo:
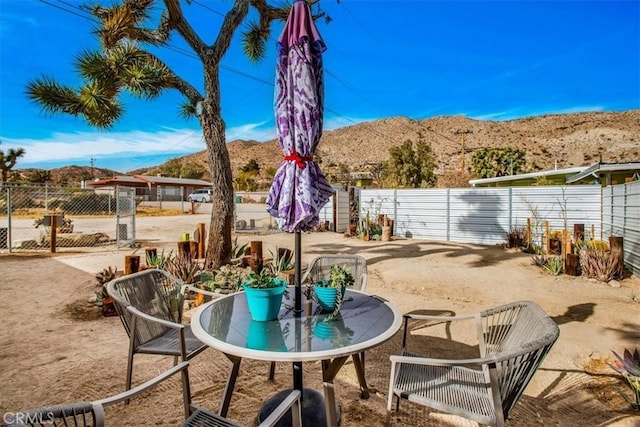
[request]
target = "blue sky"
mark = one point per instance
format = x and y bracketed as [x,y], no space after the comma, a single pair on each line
[493,60]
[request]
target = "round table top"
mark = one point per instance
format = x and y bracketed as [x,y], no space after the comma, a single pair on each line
[364,321]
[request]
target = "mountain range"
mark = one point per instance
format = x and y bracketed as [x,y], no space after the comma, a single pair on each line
[551,141]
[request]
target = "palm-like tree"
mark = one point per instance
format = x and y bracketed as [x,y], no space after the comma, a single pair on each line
[9,160]
[123,65]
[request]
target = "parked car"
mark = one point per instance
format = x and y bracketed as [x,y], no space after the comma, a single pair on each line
[202,195]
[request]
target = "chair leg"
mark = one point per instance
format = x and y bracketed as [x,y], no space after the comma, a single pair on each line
[129,374]
[272,371]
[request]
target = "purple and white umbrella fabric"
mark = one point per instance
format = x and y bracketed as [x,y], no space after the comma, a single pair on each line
[299,189]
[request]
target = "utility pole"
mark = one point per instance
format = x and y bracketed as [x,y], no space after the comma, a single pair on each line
[464,134]
[92,162]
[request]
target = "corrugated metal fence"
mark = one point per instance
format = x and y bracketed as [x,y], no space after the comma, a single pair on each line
[484,215]
[621,217]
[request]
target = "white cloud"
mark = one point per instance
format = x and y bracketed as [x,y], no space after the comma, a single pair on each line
[82,146]
[85,145]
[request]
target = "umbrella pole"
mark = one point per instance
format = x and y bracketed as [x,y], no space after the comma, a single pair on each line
[297,366]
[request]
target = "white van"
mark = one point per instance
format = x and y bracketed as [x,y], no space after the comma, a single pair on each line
[202,195]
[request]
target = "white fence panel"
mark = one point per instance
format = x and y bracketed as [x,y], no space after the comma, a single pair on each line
[581,204]
[480,217]
[326,213]
[341,211]
[621,217]
[483,215]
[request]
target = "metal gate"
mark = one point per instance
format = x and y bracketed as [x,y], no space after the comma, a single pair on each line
[125,216]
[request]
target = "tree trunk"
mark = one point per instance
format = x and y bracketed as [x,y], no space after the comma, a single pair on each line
[213,129]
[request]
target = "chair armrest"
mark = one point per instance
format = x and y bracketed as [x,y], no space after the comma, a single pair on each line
[429,361]
[149,318]
[440,318]
[292,399]
[142,387]
[192,288]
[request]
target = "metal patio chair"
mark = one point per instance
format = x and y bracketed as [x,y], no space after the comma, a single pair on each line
[513,339]
[202,418]
[91,414]
[150,305]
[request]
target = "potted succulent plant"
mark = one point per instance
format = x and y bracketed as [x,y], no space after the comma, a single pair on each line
[264,294]
[329,293]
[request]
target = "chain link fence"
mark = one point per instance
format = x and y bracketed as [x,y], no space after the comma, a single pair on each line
[82,218]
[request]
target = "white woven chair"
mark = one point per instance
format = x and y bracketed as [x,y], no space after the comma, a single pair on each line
[513,339]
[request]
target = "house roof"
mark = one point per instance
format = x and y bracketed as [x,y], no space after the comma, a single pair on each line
[604,168]
[124,180]
[532,175]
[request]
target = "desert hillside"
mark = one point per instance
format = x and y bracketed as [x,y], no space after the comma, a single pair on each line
[562,140]
[568,139]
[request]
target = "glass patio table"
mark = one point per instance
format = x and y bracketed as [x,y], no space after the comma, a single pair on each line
[365,321]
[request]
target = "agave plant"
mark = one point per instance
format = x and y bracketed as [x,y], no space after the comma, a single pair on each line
[554,265]
[282,260]
[628,366]
[186,268]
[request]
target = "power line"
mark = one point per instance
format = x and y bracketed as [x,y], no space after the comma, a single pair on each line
[192,55]
[66,10]
[207,7]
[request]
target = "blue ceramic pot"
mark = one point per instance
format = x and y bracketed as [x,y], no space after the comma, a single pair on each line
[327,297]
[264,304]
[265,336]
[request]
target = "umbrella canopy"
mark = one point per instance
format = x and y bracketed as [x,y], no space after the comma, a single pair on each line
[299,189]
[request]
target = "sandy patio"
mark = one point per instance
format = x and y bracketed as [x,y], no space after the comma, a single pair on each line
[55,348]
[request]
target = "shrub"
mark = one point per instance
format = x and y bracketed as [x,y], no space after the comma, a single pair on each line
[599,264]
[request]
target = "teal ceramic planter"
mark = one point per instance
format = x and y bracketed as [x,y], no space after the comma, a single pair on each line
[264,304]
[265,336]
[327,297]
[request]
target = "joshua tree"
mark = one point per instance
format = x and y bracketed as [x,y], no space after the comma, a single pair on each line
[9,160]
[123,65]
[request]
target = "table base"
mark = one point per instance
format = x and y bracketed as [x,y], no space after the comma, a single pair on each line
[313,408]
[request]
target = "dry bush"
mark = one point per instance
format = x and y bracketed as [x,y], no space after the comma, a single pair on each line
[600,264]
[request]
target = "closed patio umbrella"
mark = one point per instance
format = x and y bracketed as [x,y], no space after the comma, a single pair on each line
[299,189]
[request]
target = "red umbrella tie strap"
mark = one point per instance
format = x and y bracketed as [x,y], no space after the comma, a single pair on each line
[300,161]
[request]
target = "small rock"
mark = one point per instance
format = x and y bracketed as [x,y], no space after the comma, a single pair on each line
[614,284]
[93,300]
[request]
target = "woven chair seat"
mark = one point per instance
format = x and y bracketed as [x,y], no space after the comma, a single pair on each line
[449,389]
[168,343]
[201,418]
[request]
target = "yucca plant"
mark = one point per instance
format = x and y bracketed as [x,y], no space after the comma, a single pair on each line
[628,365]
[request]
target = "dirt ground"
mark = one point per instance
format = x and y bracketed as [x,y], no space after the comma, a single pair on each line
[56,348]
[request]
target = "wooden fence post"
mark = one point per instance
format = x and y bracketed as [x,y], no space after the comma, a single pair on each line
[131,264]
[256,261]
[203,238]
[546,237]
